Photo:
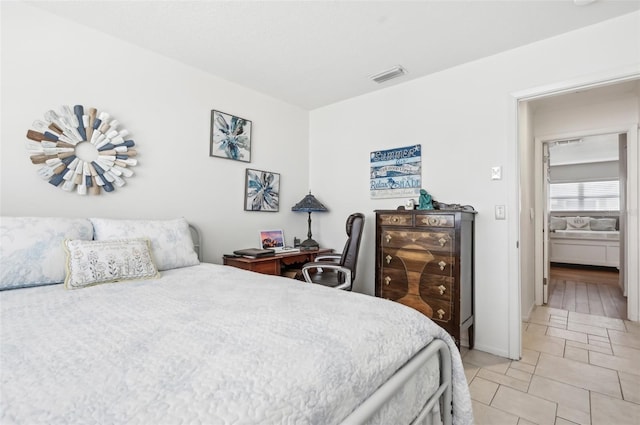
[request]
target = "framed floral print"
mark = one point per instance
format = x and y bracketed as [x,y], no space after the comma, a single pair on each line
[262,191]
[230,137]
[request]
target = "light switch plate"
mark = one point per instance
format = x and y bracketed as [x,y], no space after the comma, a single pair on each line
[496,173]
[500,211]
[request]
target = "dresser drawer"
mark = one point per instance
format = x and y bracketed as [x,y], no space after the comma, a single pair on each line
[435,220]
[439,241]
[418,261]
[437,287]
[393,283]
[395,220]
[441,310]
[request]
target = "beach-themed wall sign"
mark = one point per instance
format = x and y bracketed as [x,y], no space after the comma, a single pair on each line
[81,150]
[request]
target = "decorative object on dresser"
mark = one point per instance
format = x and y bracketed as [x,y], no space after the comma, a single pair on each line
[425,260]
[309,204]
[81,150]
[262,191]
[230,137]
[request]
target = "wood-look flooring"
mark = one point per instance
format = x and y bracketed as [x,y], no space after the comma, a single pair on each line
[590,290]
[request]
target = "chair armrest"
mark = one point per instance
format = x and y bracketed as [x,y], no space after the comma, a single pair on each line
[328,257]
[330,266]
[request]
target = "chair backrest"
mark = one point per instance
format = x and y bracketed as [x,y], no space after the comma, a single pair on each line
[349,258]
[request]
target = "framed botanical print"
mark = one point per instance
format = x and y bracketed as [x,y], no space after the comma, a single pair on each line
[262,190]
[230,137]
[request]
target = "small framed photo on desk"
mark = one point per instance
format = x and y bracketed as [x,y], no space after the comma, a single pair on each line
[271,239]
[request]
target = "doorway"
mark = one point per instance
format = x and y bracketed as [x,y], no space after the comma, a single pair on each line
[583,228]
[596,107]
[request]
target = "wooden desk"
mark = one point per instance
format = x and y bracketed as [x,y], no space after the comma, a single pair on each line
[275,264]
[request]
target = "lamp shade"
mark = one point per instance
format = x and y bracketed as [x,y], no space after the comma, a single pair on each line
[309,204]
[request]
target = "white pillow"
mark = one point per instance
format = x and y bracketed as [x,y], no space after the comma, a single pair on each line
[603,224]
[93,262]
[578,223]
[31,252]
[171,241]
[558,223]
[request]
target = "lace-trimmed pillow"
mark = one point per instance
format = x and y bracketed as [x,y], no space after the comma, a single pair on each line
[93,262]
[578,223]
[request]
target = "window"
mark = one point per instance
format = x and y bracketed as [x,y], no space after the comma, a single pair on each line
[585,196]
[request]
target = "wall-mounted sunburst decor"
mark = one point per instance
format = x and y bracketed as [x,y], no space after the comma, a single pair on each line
[81,150]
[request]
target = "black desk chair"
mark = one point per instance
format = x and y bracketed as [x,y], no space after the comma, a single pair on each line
[338,270]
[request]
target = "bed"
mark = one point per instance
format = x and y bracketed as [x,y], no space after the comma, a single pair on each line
[193,342]
[585,240]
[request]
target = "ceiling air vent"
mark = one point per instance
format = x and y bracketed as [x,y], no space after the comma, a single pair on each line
[394,72]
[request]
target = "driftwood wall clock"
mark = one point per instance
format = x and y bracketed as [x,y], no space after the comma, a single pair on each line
[81,150]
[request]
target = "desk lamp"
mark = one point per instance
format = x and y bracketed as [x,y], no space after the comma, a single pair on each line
[309,204]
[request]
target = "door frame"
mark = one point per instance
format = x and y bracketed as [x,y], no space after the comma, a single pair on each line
[542,212]
[518,126]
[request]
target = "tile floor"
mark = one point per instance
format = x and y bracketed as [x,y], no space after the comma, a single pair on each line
[576,368]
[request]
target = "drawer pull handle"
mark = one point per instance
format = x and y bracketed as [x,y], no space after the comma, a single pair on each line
[388,238]
[433,221]
[395,220]
[442,289]
[440,313]
[387,280]
[442,265]
[442,241]
[388,258]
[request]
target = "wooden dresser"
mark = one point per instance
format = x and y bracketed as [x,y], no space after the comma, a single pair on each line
[424,259]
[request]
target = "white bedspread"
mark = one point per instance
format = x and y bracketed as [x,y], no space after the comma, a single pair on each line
[204,344]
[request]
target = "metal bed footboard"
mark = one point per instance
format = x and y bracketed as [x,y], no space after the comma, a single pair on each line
[373,404]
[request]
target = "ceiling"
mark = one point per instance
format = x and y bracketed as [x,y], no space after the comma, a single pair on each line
[314,53]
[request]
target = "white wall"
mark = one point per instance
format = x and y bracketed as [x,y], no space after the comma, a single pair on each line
[464,118]
[48,62]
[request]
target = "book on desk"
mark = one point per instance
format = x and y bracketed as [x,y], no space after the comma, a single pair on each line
[255,252]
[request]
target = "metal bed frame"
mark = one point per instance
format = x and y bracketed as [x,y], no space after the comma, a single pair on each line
[443,394]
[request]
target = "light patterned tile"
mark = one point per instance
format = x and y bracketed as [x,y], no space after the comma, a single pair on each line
[561,421]
[604,339]
[570,335]
[558,319]
[577,354]
[552,324]
[529,356]
[487,415]
[523,421]
[578,374]
[537,329]
[573,402]
[624,338]
[523,366]
[543,343]
[590,347]
[487,361]
[501,379]
[630,387]
[607,411]
[482,390]
[532,408]
[597,321]
[624,351]
[632,327]
[519,374]
[470,371]
[605,344]
[588,329]
[621,364]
